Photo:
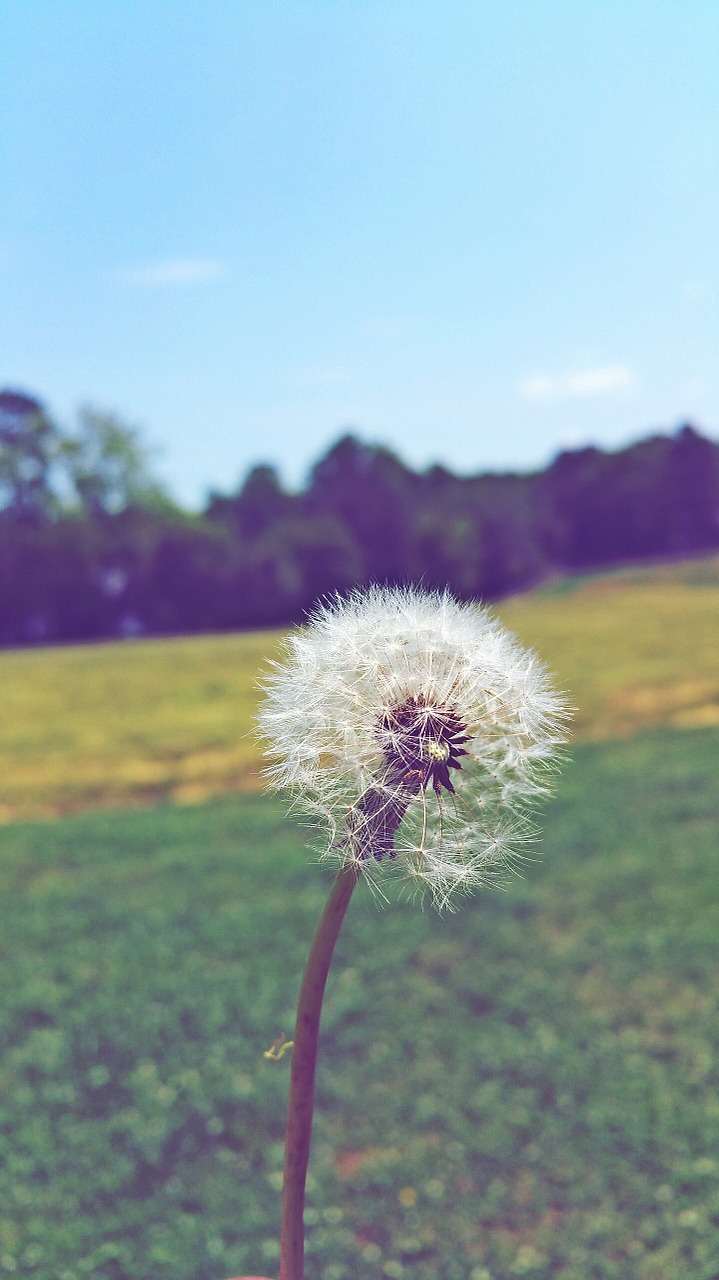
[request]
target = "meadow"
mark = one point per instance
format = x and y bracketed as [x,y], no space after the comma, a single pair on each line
[132,723]
[527,1088]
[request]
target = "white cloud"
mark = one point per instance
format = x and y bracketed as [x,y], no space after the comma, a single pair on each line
[583,382]
[539,388]
[174,271]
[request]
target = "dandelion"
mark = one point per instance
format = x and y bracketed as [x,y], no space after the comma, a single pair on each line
[416,730]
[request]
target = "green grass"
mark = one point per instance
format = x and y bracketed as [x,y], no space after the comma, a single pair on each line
[635,648]
[132,723]
[528,1088]
[128,723]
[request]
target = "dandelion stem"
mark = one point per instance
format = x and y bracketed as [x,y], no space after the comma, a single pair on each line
[302,1078]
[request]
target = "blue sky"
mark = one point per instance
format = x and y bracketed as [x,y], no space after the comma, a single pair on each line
[476,232]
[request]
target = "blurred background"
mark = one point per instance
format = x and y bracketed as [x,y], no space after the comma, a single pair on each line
[297,297]
[302,295]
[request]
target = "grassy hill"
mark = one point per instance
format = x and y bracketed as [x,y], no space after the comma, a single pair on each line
[528,1088]
[131,723]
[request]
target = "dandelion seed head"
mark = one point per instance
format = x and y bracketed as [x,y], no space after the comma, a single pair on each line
[416,730]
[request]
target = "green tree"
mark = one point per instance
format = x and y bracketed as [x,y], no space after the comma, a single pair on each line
[109,465]
[29,446]
[292,565]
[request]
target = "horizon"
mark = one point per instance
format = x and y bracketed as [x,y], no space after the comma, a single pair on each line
[304,480]
[474,235]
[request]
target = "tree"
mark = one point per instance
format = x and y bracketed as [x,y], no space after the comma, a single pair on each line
[692,492]
[260,503]
[29,446]
[109,465]
[369,491]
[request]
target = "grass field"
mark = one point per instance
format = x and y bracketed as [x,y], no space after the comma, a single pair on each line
[127,724]
[528,1088]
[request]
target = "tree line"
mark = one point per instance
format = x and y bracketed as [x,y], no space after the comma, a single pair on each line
[92,546]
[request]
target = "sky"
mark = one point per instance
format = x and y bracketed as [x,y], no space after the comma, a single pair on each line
[474,231]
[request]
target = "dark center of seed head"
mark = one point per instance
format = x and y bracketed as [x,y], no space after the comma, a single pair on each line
[420,743]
